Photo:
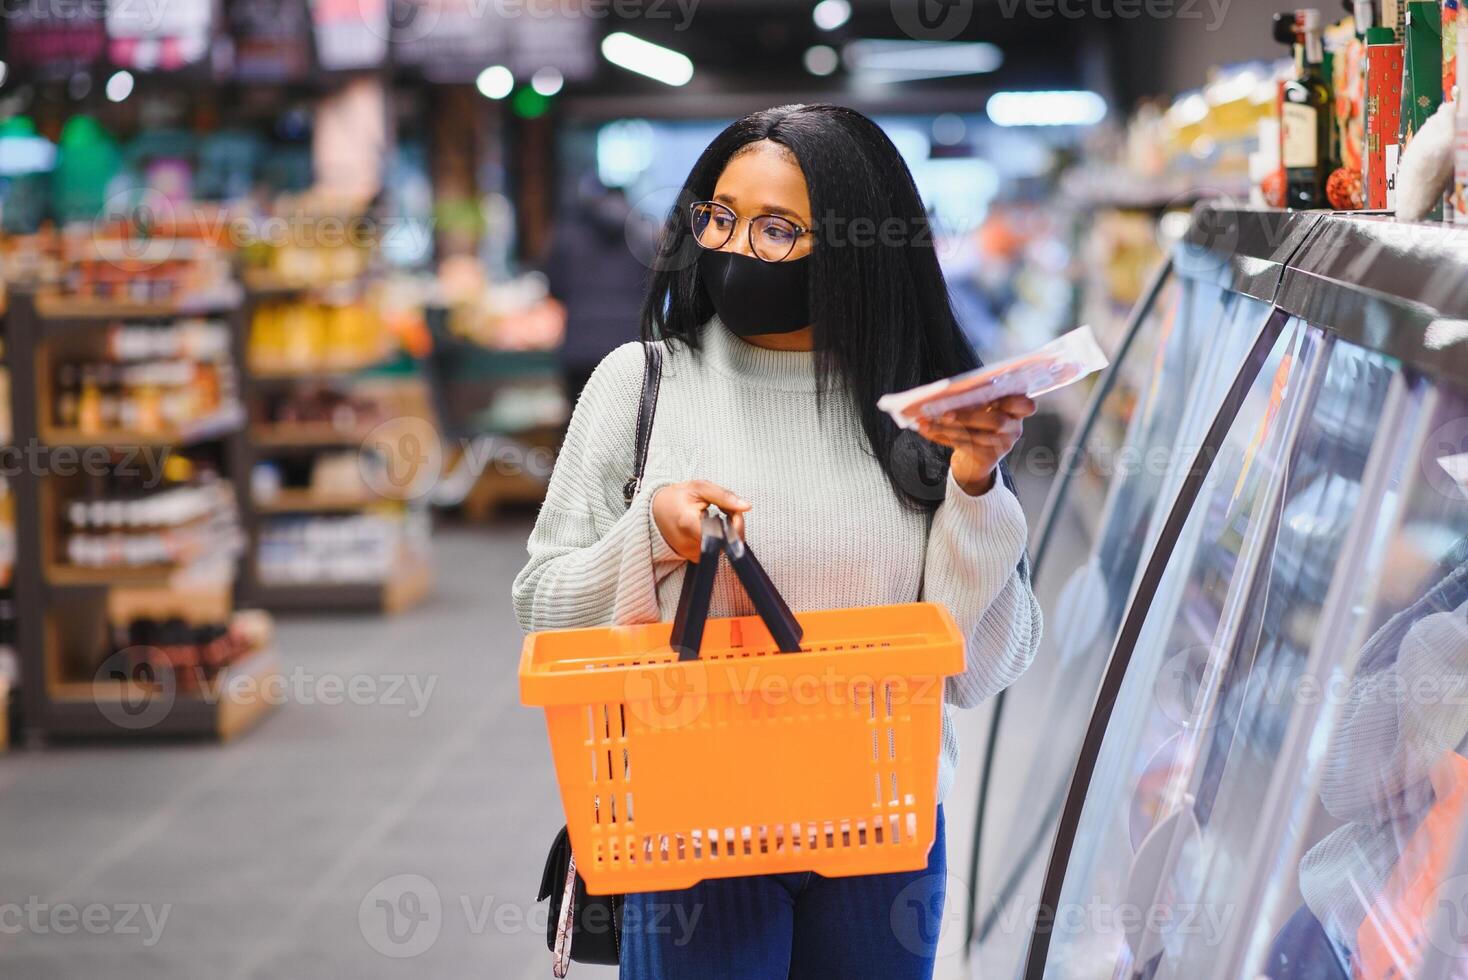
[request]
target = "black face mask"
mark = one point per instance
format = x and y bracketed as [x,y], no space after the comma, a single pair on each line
[755,297]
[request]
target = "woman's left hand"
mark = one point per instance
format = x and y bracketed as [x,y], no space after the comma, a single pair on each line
[980,437]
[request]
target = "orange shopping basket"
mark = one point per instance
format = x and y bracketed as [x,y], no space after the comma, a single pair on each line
[698,749]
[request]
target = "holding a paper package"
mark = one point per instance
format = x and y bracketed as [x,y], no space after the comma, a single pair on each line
[1063,361]
[977,414]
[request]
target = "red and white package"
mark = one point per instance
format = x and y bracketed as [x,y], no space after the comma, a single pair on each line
[1063,361]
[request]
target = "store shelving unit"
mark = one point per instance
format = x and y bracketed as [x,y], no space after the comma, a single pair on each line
[1172,771]
[409,580]
[7,695]
[63,695]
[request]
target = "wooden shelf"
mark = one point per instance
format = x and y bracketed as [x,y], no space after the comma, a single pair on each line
[268,372]
[62,575]
[233,703]
[261,284]
[409,584]
[57,311]
[225,422]
[291,501]
[304,435]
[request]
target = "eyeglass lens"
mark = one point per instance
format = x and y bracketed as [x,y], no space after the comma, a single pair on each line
[771,237]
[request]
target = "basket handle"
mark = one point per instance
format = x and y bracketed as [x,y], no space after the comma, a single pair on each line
[698,588]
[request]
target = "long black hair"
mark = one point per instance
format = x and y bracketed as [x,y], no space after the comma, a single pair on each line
[879,304]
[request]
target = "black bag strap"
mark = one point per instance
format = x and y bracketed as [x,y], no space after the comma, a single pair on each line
[647,406]
[698,587]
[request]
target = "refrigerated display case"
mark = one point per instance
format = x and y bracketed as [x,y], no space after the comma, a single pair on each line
[1254,763]
[1186,340]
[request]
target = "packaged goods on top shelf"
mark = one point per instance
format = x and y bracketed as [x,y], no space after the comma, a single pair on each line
[149,379]
[1358,94]
[155,254]
[1199,146]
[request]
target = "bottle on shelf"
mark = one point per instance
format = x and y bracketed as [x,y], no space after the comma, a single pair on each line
[1305,112]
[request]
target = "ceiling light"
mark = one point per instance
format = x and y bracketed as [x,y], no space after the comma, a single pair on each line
[1078,108]
[880,60]
[831,14]
[821,59]
[495,82]
[645,58]
[547,81]
[119,86]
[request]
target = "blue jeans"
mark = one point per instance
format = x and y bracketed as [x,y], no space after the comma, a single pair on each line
[797,926]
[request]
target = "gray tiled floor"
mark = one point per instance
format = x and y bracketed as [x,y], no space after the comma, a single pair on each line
[270,855]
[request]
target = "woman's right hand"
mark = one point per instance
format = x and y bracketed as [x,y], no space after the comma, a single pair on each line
[678,509]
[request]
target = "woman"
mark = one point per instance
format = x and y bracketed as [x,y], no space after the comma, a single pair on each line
[797,286]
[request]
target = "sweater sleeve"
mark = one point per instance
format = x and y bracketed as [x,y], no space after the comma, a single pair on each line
[594,561]
[974,547]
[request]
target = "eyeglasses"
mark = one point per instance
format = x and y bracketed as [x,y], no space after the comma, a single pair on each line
[771,237]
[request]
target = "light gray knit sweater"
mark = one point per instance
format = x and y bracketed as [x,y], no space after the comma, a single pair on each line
[824,521]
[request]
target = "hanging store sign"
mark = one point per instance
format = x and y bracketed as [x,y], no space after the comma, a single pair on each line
[164,35]
[351,35]
[272,40]
[54,39]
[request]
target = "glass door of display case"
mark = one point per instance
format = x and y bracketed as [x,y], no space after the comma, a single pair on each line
[1166,386]
[1274,779]
[1188,339]
[1133,805]
[1356,845]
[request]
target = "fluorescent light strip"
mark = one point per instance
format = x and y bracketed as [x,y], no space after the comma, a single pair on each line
[1065,108]
[899,60]
[645,58]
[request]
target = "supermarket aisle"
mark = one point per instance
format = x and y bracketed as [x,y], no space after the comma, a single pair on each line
[254,859]
[388,821]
